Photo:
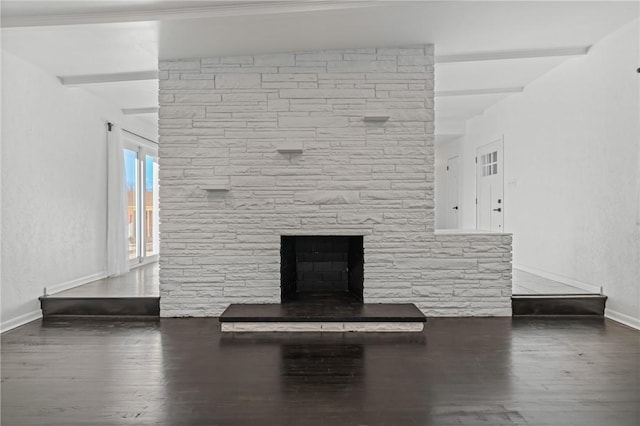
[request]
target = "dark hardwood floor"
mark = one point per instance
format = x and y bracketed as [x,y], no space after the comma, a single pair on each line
[490,371]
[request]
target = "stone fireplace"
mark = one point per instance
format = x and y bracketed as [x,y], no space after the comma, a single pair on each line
[260,153]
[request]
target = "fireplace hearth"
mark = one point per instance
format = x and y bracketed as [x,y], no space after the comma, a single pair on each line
[322,268]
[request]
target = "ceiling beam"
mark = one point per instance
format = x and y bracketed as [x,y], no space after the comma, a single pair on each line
[513,54]
[475,92]
[137,111]
[75,80]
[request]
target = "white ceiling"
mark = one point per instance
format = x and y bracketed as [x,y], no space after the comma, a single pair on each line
[86,49]
[98,37]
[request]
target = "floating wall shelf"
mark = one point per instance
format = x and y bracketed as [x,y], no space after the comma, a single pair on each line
[378,118]
[290,148]
[215,187]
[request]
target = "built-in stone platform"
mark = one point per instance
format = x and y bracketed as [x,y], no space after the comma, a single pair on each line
[558,305]
[135,293]
[331,317]
[56,306]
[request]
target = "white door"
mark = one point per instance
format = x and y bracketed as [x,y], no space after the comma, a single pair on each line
[452,193]
[489,187]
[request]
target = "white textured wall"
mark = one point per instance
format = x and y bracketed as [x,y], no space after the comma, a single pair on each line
[53,186]
[222,121]
[571,171]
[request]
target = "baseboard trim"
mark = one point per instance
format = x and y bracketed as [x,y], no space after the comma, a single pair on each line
[75,283]
[622,318]
[20,320]
[564,280]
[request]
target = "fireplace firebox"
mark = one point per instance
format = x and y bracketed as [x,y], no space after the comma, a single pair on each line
[316,267]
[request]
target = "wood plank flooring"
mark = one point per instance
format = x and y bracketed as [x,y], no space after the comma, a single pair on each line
[526,283]
[473,371]
[142,281]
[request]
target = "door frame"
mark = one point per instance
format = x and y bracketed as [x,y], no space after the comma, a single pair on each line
[447,185]
[142,147]
[501,163]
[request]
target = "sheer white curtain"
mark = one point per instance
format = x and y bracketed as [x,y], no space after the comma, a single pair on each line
[117,243]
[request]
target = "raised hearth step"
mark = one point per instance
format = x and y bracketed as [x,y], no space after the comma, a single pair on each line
[558,304]
[292,312]
[53,306]
[303,317]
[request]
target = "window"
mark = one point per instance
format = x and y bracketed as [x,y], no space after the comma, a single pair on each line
[132,182]
[489,163]
[151,217]
[141,179]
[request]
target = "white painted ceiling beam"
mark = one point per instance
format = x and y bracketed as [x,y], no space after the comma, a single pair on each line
[137,111]
[512,54]
[475,92]
[76,80]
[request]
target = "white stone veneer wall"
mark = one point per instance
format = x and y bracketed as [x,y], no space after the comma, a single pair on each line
[222,121]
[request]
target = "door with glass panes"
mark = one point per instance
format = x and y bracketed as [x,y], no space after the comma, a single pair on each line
[490,187]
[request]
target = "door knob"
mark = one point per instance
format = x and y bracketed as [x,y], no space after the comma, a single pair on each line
[499,209]
[455,208]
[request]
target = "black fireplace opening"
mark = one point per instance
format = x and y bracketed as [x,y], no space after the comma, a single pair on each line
[313,268]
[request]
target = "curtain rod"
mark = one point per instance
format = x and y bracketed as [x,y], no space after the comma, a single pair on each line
[140,136]
[110,126]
